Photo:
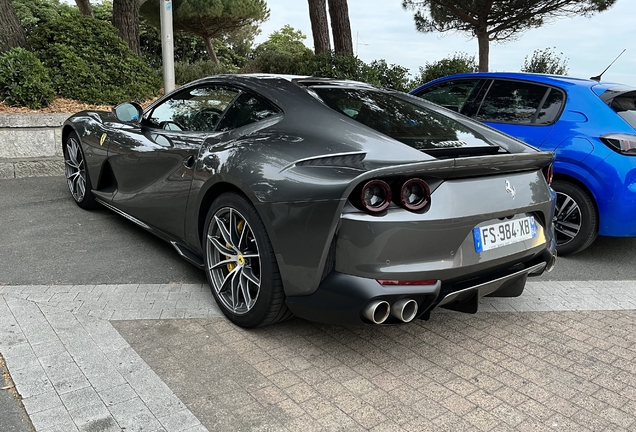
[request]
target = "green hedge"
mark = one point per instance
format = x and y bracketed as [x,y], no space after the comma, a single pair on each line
[89,62]
[23,80]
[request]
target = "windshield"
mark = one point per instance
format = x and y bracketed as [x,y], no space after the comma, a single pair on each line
[412,124]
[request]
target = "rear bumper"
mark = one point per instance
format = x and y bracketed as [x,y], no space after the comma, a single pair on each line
[341,299]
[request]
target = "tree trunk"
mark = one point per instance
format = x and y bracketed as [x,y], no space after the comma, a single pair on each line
[126,20]
[319,25]
[484,50]
[84,7]
[340,27]
[11,32]
[210,48]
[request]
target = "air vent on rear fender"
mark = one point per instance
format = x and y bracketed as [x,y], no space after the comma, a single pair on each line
[345,160]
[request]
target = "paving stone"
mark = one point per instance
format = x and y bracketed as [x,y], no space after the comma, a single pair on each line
[42,402]
[490,371]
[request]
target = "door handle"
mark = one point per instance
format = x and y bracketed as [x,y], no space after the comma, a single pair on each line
[188,162]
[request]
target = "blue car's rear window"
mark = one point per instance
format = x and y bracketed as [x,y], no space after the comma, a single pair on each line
[625,106]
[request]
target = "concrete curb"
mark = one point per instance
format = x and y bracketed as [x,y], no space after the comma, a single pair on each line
[30,145]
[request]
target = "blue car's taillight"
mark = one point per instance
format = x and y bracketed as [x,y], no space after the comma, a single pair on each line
[622,143]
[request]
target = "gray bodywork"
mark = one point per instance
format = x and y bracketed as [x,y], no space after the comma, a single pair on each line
[285,165]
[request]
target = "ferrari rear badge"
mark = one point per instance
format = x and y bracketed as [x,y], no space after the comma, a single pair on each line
[510,189]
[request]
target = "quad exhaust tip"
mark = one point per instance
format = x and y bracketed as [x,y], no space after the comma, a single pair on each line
[404,309]
[377,311]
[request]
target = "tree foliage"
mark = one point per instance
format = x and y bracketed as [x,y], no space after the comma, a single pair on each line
[209,19]
[546,61]
[495,20]
[286,40]
[284,52]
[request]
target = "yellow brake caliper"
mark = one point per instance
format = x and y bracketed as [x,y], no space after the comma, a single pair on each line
[239,228]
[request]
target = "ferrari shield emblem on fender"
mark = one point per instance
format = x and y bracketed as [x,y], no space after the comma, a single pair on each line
[102,139]
[510,189]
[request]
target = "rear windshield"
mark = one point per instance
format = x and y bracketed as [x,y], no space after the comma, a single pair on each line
[412,124]
[625,106]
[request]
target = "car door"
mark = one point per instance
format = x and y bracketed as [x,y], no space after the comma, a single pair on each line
[527,111]
[152,163]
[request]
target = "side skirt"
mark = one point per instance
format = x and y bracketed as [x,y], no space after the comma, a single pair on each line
[184,251]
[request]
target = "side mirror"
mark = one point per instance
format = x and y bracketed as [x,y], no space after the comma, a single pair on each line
[128,112]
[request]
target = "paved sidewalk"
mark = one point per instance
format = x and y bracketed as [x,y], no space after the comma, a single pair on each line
[558,369]
[73,369]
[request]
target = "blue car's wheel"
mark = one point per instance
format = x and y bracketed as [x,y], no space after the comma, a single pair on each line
[575,218]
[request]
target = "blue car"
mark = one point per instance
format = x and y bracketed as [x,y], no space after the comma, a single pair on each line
[591,127]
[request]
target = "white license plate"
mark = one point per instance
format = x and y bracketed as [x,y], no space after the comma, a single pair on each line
[504,233]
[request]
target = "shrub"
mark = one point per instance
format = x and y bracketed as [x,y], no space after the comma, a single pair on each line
[277,62]
[546,61]
[457,63]
[395,77]
[33,13]
[340,66]
[185,72]
[89,62]
[23,80]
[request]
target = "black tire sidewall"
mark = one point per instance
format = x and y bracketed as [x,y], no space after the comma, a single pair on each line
[589,217]
[88,201]
[270,279]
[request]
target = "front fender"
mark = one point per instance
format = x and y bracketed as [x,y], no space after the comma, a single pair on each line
[89,130]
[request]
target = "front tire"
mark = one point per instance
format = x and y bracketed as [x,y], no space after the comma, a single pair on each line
[79,182]
[240,264]
[575,218]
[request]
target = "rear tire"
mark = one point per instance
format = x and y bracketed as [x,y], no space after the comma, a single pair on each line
[240,264]
[77,178]
[575,218]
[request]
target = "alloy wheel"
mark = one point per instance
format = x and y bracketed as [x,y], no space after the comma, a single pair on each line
[234,263]
[75,169]
[567,219]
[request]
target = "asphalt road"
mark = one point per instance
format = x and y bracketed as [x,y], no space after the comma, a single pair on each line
[46,239]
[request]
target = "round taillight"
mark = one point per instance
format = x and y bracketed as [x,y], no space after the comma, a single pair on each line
[415,194]
[376,196]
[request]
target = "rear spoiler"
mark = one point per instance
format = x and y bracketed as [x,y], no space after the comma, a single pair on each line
[467,167]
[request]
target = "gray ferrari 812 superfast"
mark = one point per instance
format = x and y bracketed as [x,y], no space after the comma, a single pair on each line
[335,201]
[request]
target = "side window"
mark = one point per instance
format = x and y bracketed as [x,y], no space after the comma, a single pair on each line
[245,110]
[452,95]
[512,102]
[551,107]
[195,109]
